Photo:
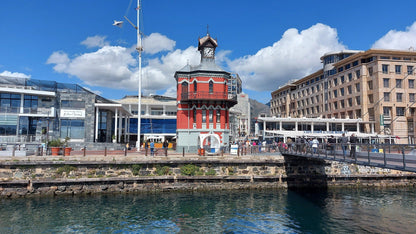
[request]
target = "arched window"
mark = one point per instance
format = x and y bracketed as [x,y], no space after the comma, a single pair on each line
[211,86]
[185,90]
[211,115]
[218,115]
[195,87]
[204,115]
[194,115]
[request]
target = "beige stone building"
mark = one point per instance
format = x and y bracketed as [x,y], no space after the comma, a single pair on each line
[377,86]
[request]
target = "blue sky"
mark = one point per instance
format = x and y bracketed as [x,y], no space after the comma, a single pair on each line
[267,43]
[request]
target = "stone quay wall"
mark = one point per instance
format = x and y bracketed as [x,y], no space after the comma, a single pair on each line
[38,178]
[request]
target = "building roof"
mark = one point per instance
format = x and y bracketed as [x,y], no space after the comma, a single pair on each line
[203,66]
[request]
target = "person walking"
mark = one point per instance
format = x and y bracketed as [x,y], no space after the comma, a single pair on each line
[331,144]
[315,144]
[152,148]
[344,142]
[353,141]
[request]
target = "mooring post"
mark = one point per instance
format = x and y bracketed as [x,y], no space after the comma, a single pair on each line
[85,150]
[105,151]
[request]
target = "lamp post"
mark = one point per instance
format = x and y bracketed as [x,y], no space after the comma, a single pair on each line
[139,49]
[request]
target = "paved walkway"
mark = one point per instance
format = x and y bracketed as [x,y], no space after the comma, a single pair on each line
[134,156]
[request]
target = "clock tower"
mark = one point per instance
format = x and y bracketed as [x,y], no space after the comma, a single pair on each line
[206,47]
[203,101]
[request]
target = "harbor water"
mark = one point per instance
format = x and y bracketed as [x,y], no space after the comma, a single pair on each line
[366,210]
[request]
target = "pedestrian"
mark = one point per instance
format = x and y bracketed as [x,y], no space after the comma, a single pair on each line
[152,148]
[344,142]
[331,144]
[353,142]
[315,143]
[289,144]
[165,144]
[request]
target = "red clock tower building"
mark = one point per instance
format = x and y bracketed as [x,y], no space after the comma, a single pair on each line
[203,103]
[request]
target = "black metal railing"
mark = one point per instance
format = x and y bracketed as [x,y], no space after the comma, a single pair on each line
[392,156]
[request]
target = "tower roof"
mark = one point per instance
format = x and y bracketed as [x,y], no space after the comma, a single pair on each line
[207,40]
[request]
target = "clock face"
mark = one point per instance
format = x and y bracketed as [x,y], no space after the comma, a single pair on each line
[209,52]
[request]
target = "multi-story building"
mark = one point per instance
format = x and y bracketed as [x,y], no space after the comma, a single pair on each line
[203,102]
[377,86]
[240,118]
[158,117]
[38,110]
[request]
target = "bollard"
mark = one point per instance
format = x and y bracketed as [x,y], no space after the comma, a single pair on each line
[14,151]
[222,152]
[125,151]
[183,152]
[238,151]
[105,151]
[85,151]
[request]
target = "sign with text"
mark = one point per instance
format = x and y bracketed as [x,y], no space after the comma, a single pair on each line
[68,113]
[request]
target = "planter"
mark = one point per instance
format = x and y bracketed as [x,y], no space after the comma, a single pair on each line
[67,151]
[55,151]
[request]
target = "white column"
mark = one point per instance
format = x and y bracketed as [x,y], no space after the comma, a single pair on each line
[264,129]
[119,126]
[116,124]
[22,102]
[125,128]
[358,127]
[342,126]
[97,113]
[280,125]
[327,126]
[296,126]
[372,128]
[312,127]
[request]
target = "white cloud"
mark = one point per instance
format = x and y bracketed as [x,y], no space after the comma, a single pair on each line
[156,43]
[159,73]
[400,40]
[116,67]
[14,74]
[95,41]
[292,57]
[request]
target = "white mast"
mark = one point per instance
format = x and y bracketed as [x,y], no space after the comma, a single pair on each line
[139,49]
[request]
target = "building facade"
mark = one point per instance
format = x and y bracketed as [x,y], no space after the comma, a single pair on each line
[203,102]
[158,118]
[38,111]
[240,118]
[376,86]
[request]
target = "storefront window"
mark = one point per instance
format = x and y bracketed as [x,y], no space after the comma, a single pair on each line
[72,128]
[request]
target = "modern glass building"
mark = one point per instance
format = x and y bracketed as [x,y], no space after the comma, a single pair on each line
[38,111]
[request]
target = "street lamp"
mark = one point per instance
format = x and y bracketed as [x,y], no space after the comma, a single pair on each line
[139,49]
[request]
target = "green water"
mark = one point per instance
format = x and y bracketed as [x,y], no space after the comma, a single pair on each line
[265,211]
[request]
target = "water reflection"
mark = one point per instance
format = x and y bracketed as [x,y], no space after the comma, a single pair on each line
[271,211]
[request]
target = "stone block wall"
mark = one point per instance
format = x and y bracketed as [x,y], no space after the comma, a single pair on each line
[58,177]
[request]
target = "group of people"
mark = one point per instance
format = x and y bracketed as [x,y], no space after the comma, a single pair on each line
[151,144]
[304,145]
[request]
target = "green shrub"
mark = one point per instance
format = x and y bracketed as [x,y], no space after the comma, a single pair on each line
[135,169]
[67,169]
[189,169]
[230,170]
[162,170]
[211,172]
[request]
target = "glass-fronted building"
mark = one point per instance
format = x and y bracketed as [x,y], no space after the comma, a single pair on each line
[38,111]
